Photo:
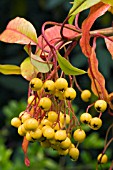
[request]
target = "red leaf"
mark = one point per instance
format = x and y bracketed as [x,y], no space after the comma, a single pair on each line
[27,161]
[97,79]
[25,147]
[109,45]
[19,31]
[53,36]
[95,12]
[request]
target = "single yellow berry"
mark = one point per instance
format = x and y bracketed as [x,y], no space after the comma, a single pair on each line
[85,95]
[69,93]
[16,122]
[49,86]
[60,135]
[95,123]
[31,124]
[45,103]
[85,118]
[100,105]
[61,84]
[74,153]
[79,135]
[36,84]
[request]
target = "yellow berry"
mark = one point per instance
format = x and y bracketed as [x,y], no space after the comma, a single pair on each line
[69,93]
[85,95]
[58,95]
[32,100]
[61,84]
[49,86]
[16,122]
[102,158]
[36,84]
[52,116]
[21,130]
[37,134]
[100,105]
[95,123]
[66,143]
[85,118]
[62,151]
[45,103]
[74,153]
[29,138]
[48,132]
[60,135]
[31,124]
[64,118]
[79,135]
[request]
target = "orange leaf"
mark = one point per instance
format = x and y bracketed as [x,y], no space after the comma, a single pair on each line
[19,31]
[95,12]
[25,144]
[109,45]
[53,36]
[97,79]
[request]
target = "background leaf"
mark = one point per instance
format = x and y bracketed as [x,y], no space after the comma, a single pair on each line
[67,68]
[9,69]
[19,31]
[27,69]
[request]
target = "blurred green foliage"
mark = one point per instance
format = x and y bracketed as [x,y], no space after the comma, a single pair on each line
[13,90]
[44,158]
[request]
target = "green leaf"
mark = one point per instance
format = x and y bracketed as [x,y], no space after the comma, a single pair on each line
[108,2]
[40,64]
[28,71]
[9,69]
[67,68]
[79,6]
[76,4]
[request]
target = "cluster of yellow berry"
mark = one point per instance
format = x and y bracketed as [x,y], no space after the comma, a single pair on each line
[50,119]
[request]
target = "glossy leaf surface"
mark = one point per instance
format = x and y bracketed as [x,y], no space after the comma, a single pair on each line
[19,31]
[9,69]
[67,68]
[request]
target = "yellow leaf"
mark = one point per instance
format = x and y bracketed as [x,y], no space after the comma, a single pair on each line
[9,69]
[110,2]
